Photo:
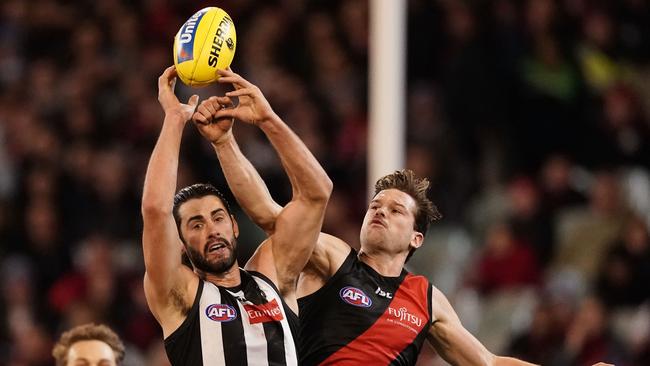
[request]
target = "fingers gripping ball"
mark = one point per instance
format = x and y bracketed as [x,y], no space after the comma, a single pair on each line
[205,43]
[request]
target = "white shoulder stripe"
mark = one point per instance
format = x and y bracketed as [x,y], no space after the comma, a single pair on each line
[211,337]
[290,352]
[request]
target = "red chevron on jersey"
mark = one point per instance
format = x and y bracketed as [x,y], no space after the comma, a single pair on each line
[399,325]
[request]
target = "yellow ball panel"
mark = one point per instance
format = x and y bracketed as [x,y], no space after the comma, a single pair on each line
[218,49]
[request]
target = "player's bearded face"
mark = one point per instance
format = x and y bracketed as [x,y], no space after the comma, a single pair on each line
[207,261]
[209,234]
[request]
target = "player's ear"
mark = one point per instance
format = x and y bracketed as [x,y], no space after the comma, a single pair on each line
[416,240]
[235,227]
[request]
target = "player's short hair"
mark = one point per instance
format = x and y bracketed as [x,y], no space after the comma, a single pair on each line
[406,181]
[198,190]
[87,332]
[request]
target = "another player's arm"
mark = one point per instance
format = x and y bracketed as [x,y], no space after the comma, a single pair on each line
[243,180]
[168,284]
[253,196]
[250,190]
[454,343]
[296,226]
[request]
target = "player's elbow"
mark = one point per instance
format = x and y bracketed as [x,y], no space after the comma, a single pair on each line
[494,360]
[321,192]
[153,208]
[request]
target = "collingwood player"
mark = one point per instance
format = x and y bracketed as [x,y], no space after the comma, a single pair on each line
[218,313]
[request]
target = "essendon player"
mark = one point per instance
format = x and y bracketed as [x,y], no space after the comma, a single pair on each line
[365,308]
[217,313]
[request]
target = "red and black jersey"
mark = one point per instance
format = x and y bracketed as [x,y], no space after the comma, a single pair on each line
[363,318]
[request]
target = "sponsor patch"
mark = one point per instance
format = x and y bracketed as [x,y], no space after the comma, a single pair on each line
[405,317]
[264,312]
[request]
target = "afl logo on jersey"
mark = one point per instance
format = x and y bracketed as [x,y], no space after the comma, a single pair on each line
[354,296]
[221,313]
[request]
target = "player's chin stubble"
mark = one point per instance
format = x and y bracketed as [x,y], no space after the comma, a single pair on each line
[202,264]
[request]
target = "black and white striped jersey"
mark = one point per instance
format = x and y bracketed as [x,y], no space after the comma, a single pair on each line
[247,325]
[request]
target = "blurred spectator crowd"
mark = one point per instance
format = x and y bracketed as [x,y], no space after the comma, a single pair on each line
[531,119]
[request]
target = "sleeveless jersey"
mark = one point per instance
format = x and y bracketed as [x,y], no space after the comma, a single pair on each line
[360,317]
[249,326]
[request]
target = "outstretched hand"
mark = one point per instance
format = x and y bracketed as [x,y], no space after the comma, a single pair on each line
[253,107]
[167,99]
[215,129]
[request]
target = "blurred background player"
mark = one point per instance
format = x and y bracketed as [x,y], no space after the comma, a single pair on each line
[89,345]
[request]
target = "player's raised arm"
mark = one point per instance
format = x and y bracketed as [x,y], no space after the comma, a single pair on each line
[252,194]
[165,274]
[243,180]
[298,224]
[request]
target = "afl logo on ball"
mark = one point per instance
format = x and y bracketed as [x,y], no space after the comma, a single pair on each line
[221,313]
[354,296]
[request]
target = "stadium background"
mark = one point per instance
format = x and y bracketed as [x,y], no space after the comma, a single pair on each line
[531,118]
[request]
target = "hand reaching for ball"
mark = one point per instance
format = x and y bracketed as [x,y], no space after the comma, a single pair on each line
[215,129]
[168,100]
[252,108]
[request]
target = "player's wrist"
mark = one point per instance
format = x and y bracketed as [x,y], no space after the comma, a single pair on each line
[175,115]
[223,140]
[268,119]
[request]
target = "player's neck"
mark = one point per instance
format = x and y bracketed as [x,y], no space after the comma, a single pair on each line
[385,264]
[228,278]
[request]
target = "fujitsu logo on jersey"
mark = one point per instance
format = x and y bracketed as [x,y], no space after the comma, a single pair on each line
[354,296]
[221,313]
[403,315]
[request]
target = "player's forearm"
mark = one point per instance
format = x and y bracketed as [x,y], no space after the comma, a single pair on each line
[246,184]
[508,361]
[308,178]
[160,180]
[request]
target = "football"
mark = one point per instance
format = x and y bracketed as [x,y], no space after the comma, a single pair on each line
[206,42]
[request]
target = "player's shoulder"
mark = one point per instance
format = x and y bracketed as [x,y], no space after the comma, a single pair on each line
[332,243]
[332,251]
[332,247]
